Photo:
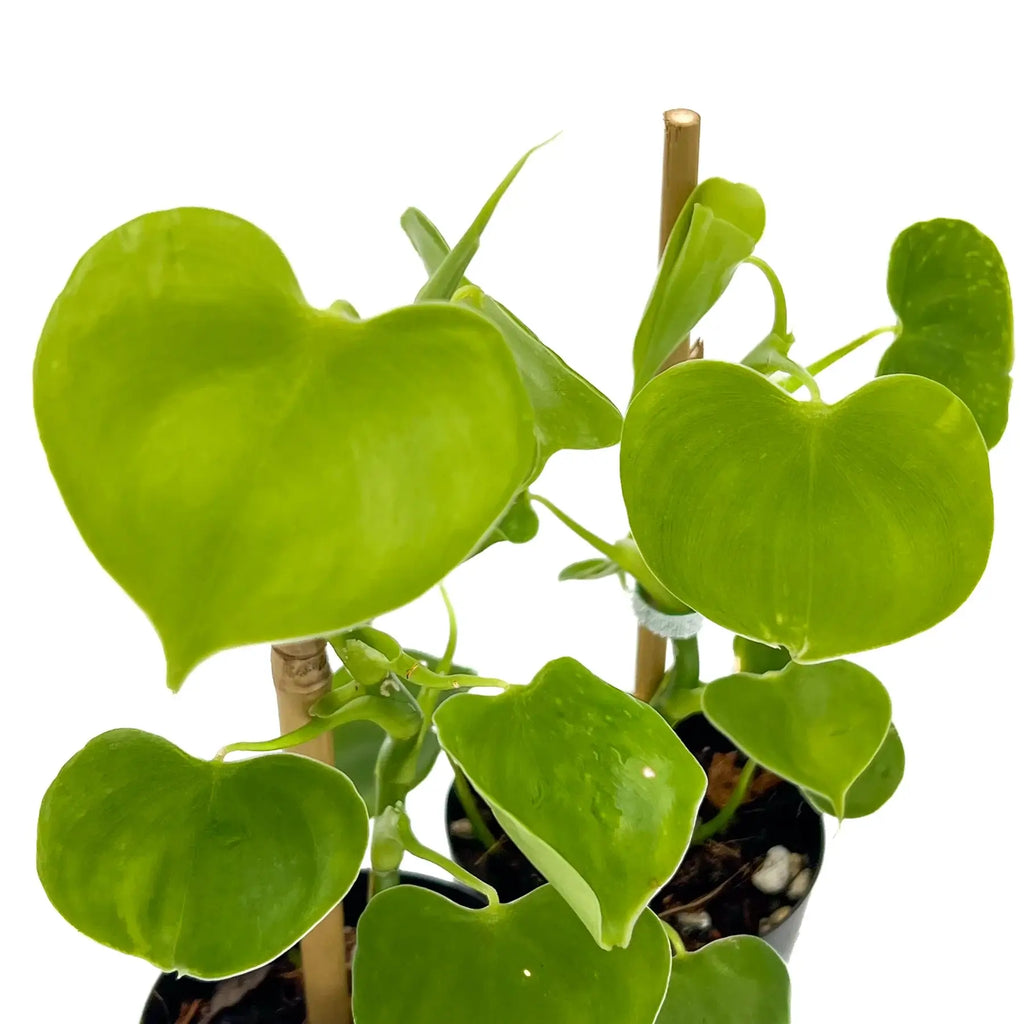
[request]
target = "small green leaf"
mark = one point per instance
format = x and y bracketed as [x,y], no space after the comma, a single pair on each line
[874,786]
[738,980]
[590,569]
[569,412]
[447,275]
[200,867]
[518,526]
[949,288]
[590,783]
[715,232]
[527,962]
[826,529]
[818,726]
[250,468]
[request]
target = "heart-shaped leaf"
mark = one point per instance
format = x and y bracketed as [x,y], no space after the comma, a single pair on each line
[818,726]
[826,529]
[200,867]
[715,232]
[590,783]
[528,962]
[874,786]
[738,980]
[569,412]
[949,288]
[249,468]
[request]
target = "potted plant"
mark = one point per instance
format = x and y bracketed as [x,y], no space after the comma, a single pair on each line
[251,469]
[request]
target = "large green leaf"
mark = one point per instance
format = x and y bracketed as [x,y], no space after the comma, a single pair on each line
[949,288]
[590,783]
[826,529]
[200,867]
[874,786]
[569,412]
[738,980]
[818,726]
[715,232]
[528,962]
[249,468]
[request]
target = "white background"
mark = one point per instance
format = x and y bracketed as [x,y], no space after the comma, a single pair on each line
[321,122]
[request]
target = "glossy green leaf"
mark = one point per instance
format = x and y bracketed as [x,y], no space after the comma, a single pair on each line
[249,468]
[201,867]
[569,412]
[715,232]
[590,783]
[874,786]
[527,962]
[818,726]
[949,288]
[826,529]
[739,980]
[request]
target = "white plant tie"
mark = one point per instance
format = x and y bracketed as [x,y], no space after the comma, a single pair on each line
[671,627]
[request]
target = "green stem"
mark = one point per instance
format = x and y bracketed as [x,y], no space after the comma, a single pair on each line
[417,849]
[472,809]
[606,549]
[833,357]
[779,324]
[624,554]
[802,375]
[444,666]
[675,940]
[681,693]
[711,828]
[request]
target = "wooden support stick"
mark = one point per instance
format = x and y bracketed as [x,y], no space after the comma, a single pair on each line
[302,675]
[679,179]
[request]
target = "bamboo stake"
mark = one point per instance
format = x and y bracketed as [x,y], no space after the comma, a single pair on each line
[301,675]
[679,179]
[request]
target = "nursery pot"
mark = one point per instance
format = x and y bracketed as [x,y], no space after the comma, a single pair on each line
[274,995]
[715,883]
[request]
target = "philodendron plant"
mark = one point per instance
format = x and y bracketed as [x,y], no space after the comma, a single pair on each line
[254,470]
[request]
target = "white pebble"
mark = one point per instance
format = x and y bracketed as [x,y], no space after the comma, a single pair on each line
[774,873]
[693,921]
[797,861]
[774,919]
[801,885]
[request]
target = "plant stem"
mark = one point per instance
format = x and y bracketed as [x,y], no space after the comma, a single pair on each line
[678,180]
[675,940]
[417,849]
[833,357]
[711,828]
[464,792]
[779,324]
[606,549]
[301,676]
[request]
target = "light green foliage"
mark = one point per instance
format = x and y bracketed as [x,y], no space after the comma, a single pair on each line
[732,981]
[948,286]
[569,412]
[528,962]
[606,812]
[201,867]
[819,726]
[874,786]
[251,469]
[715,232]
[826,529]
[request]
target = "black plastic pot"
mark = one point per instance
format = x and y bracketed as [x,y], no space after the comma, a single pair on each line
[275,999]
[508,870]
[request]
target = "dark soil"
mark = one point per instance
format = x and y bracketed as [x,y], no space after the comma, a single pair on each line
[276,994]
[714,878]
